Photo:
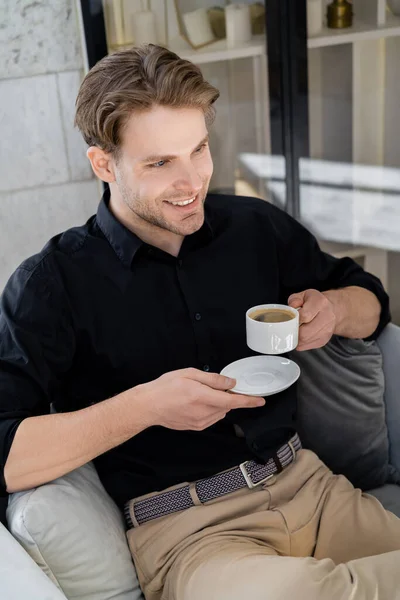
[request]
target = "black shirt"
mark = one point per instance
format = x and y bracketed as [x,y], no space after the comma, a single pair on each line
[98,311]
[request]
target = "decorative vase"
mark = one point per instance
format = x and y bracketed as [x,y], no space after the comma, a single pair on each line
[216,16]
[340,14]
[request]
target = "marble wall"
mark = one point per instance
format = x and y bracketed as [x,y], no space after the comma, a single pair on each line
[46,184]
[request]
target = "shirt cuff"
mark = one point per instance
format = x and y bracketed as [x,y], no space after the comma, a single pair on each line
[374,285]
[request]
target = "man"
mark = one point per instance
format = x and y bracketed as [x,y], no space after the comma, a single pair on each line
[125,323]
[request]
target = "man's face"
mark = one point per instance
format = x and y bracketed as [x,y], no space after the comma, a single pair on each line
[165,159]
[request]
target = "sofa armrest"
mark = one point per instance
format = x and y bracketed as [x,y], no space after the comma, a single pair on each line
[20,577]
[389,343]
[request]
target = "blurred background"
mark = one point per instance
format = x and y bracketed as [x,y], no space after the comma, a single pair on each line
[308,118]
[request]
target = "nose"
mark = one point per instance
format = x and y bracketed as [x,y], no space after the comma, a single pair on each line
[189,179]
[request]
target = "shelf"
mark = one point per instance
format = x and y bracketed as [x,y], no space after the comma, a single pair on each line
[218,51]
[359,32]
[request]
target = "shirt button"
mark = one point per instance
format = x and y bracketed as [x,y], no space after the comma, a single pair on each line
[150,251]
[206,368]
[197,316]
[180,262]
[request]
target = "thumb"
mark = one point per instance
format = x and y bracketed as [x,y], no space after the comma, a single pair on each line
[213,380]
[296,300]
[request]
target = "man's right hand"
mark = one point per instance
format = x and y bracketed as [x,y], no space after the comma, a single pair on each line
[186,399]
[191,399]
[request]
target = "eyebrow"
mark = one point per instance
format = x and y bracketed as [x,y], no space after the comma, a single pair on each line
[156,158]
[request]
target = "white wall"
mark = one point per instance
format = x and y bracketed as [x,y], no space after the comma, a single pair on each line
[46,184]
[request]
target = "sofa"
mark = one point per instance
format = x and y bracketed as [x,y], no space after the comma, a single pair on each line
[20,575]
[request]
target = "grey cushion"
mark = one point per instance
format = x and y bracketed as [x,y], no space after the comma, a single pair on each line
[389,496]
[389,343]
[341,409]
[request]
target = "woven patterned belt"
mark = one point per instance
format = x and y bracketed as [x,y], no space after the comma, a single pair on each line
[249,474]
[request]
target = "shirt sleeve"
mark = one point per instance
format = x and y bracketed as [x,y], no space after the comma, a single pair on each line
[37,345]
[303,265]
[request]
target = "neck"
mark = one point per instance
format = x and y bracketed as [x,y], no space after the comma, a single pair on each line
[150,234]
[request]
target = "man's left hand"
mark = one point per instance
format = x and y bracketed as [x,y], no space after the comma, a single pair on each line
[317,319]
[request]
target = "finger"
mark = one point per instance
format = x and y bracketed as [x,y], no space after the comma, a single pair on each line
[296,300]
[311,307]
[229,401]
[321,339]
[240,401]
[213,380]
[314,330]
[313,344]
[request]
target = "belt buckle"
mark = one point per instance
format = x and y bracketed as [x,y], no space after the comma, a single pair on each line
[292,449]
[247,477]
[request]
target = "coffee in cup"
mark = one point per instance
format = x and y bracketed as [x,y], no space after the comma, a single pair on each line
[272,315]
[272,328]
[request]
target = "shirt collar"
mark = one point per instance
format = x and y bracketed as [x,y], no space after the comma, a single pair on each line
[124,242]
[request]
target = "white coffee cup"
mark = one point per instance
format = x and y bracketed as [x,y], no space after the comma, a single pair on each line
[272,338]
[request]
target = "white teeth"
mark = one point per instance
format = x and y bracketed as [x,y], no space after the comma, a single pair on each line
[184,203]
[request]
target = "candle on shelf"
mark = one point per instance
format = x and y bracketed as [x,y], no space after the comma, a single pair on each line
[198,28]
[114,22]
[238,24]
[144,27]
[314,17]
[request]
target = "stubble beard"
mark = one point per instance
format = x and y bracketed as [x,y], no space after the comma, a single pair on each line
[155,218]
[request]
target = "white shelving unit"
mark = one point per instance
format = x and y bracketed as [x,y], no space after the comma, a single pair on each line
[359,32]
[353,77]
[354,119]
[218,51]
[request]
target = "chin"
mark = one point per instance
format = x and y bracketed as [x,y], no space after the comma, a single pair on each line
[194,226]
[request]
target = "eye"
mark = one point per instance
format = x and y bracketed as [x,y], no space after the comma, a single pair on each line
[158,164]
[200,149]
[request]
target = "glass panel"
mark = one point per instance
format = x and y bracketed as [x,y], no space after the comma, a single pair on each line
[229,45]
[350,184]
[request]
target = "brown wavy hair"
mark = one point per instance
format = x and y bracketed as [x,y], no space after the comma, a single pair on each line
[135,80]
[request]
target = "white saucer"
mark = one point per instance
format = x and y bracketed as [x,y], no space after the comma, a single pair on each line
[262,375]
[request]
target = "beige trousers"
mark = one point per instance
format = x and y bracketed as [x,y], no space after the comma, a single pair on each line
[306,534]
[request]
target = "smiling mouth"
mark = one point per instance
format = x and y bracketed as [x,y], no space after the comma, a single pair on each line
[182,202]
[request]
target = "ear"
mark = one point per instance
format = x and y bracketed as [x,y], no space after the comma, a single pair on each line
[102,163]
